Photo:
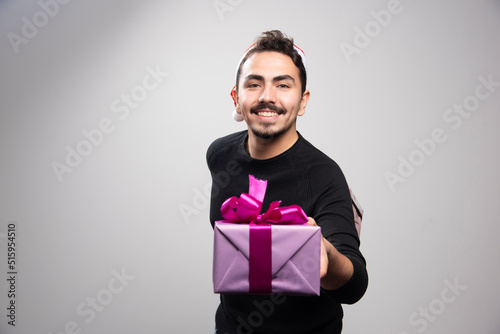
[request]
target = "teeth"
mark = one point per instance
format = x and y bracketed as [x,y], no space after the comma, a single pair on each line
[267,113]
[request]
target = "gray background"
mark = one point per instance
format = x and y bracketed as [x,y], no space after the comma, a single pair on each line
[135,203]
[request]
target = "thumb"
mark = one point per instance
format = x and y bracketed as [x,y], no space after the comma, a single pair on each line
[311,221]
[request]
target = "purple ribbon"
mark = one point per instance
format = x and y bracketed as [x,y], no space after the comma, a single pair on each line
[246,209]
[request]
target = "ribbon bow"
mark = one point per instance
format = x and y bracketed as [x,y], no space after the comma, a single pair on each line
[247,207]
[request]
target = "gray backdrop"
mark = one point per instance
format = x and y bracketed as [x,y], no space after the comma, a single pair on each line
[107,109]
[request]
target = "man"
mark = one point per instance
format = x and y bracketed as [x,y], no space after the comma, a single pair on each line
[269,94]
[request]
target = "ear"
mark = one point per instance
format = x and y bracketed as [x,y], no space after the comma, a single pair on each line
[237,115]
[303,103]
[234,96]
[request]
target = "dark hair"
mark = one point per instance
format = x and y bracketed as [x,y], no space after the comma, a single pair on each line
[276,41]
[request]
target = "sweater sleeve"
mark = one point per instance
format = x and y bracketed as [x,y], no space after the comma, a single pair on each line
[333,212]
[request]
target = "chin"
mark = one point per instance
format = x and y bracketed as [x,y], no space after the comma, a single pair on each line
[267,133]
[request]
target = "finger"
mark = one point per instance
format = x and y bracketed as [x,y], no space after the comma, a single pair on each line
[311,221]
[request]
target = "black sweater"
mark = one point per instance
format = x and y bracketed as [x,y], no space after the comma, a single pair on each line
[305,176]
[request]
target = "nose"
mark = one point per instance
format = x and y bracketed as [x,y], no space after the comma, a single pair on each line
[267,95]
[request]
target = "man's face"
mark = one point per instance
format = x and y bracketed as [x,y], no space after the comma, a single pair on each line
[269,94]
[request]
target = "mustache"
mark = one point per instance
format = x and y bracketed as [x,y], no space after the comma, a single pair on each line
[269,106]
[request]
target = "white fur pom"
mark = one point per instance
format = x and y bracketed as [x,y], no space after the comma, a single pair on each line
[237,117]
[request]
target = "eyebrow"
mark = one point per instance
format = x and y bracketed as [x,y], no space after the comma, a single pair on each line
[275,79]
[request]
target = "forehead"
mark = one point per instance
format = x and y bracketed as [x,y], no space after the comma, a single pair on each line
[269,64]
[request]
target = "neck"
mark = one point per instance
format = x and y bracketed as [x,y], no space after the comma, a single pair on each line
[260,148]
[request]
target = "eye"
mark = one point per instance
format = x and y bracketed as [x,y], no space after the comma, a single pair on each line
[253,85]
[283,86]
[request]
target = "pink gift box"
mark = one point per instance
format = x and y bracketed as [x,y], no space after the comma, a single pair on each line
[294,263]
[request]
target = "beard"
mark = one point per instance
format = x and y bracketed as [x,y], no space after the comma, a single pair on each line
[266,131]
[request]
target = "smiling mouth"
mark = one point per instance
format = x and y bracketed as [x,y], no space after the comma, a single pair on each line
[267,113]
[267,110]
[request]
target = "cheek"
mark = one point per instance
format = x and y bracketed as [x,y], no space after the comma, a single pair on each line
[244,104]
[247,101]
[288,103]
